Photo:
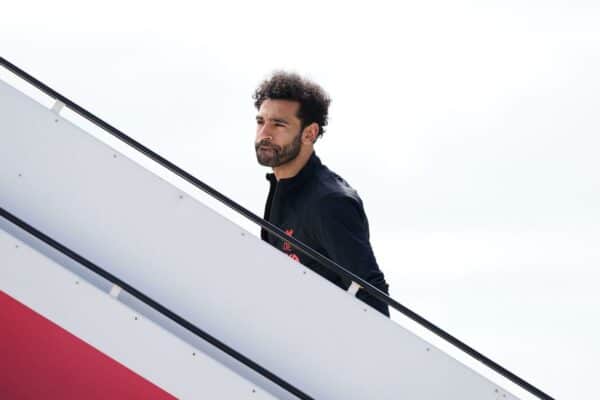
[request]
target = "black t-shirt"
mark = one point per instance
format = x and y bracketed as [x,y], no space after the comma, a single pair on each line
[321,210]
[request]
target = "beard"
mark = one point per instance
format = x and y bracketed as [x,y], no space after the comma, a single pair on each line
[271,155]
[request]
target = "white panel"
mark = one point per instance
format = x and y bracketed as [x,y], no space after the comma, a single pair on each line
[111,327]
[210,271]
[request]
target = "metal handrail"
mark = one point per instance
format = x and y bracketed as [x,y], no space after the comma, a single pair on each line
[153,304]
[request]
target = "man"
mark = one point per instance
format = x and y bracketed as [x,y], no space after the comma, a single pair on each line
[306,199]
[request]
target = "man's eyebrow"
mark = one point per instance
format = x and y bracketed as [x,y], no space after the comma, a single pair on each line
[278,120]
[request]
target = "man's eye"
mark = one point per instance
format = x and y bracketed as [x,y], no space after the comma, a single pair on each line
[279,124]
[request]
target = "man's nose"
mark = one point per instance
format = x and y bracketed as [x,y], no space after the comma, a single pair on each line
[264,132]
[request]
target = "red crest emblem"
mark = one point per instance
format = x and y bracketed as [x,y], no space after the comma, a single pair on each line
[286,245]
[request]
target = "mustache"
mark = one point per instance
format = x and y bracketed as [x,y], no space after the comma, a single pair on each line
[266,143]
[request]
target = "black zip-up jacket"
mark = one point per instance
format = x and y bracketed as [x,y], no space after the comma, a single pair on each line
[320,209]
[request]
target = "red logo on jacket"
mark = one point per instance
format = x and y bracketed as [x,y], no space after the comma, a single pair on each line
[287,247]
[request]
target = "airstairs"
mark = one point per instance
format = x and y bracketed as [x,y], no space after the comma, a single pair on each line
[114,283]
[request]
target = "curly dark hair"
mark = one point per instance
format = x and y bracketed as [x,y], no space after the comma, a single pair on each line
[314,101]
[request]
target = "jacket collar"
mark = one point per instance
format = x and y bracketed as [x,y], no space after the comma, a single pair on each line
[301,177]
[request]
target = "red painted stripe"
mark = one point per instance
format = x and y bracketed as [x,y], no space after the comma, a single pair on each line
[41,360]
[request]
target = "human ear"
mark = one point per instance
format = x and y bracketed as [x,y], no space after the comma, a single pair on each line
[309,136]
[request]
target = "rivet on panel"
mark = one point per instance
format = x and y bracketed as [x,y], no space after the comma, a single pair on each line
[77,282]
[114,156]
[135,318]
[16,246]
[194,354]
[181,196]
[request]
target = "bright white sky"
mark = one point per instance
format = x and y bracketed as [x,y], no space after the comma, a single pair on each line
[470,129]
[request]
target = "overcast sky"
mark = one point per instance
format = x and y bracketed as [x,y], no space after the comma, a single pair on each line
[470,129]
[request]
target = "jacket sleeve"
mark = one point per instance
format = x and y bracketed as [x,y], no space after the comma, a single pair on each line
[343,231]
